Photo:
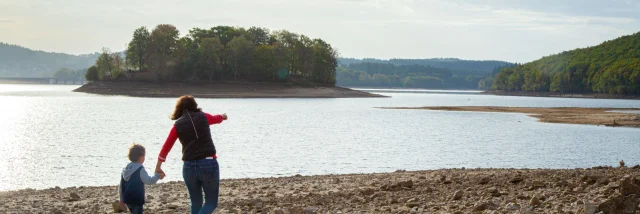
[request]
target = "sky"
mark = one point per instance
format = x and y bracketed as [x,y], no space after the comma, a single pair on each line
[510,30]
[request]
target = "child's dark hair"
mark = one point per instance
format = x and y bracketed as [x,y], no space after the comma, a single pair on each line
[135,152]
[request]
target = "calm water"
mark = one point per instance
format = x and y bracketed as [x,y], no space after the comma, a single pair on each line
[53,137]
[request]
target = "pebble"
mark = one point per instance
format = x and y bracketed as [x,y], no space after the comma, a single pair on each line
[484,180]
[457,195]
[535,201]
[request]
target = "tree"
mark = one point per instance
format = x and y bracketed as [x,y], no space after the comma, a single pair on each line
[209,53]
[324,62]
[288,41]
[227,33]
[105,63]
[118,65]
[137,48]
[239,52]
[186,57]
[485,83]
[92,74]
[304,51]
[265,64]
[162,43]
[64,73]
[424,82]
[259,36]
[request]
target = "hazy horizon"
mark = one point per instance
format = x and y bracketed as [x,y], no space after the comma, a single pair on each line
[514,31]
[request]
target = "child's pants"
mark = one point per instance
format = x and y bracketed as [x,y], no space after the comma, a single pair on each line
[135,209]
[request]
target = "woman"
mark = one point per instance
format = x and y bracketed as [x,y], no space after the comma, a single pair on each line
[200,170]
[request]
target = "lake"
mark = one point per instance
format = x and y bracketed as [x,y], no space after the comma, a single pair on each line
[54,137]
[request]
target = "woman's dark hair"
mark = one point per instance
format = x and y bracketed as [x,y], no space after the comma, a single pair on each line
[185,103]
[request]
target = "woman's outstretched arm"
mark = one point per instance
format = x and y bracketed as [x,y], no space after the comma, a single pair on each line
[166,148]
[215,119]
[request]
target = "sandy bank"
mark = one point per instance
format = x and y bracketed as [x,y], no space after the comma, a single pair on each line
[563,95]
[436,191]
[590,116]
[219,90]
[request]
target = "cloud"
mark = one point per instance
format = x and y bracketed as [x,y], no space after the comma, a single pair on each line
[451,14]
[474,29]
[533,17]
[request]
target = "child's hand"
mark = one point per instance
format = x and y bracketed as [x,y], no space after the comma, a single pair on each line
[162,175]
[224,116]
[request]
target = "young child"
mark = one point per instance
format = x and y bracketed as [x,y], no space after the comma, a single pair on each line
[133,179]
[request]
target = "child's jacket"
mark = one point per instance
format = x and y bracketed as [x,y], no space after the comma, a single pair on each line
[132,181]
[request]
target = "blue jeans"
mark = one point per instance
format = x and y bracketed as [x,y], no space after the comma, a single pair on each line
[135,209]
[199,175]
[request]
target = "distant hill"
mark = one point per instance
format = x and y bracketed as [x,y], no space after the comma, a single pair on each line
[438,73]
[457,66]
[17,61]
[612,67]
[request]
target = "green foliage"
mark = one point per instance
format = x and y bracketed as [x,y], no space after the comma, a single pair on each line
[16,61]
[229,53]
[105,64]
[109,65]
[485,83]
[163,42]
[424,82]
[457,66]
[137,49]
[370,74]
[208,55]
[69,74]
[612,67]
[323,62]
[92,74]
[259,36]
[118,65]
[439,73]
[239,53]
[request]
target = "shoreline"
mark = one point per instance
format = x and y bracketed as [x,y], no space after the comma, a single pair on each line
[565,115]
[219,90]
[561,95]
[433,191]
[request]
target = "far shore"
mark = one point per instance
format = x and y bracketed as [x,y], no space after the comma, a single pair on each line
[587,116]
[220,90]
[591,190]
[561,95]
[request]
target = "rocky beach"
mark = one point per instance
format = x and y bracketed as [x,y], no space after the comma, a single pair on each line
[591,190]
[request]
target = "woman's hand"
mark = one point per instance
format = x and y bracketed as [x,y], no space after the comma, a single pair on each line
[159,169]
[224,116]
[161,173]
